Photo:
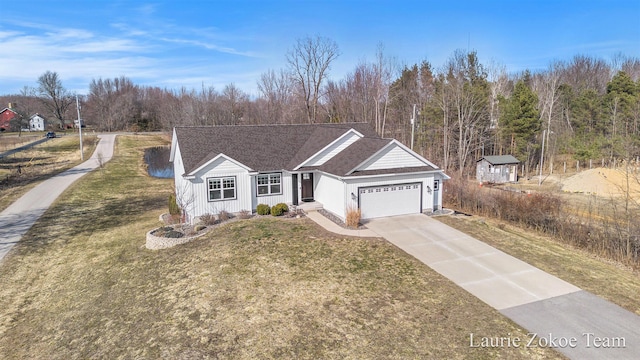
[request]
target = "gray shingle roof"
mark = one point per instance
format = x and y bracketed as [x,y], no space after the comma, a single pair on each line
[353,155]
[501,159]
[261,147]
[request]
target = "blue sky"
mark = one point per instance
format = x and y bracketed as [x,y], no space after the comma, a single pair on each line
[191,43]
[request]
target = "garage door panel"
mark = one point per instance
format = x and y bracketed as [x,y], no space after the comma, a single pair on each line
[390,200]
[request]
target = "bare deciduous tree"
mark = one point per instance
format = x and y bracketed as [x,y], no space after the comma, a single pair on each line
[276,89]
[54,96]
[309,61]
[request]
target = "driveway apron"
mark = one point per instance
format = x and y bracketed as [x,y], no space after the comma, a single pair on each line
[549,307]
[18,218]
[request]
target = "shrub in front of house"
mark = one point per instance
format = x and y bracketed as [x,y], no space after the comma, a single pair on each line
[352,219]
[174,209]
[208,219]
[279,209]
[223,215]
[263,209]
[244,214]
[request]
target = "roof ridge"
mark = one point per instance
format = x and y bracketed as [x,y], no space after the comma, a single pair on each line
[259,125]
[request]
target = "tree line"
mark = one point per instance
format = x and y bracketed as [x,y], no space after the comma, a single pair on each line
[584,107]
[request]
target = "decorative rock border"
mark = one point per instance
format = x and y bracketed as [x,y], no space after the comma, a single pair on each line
[158,242]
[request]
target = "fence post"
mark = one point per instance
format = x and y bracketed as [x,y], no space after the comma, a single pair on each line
[565,167]
[578,166]
[590,163]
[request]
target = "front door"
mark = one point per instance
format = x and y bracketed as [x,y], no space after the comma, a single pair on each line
[307,187]
[294,190]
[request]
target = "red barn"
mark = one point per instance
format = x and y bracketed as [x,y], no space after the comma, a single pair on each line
[6,115]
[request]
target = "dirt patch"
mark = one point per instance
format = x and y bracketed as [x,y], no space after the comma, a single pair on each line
[602,182]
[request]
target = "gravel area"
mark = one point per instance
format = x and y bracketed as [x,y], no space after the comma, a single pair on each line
[337,220]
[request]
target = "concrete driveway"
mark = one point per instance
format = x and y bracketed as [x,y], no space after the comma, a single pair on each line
[18,218]
[541,303]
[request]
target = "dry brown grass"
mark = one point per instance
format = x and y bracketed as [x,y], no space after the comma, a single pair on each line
[10,141]
[82,285]
[352,219]
[24,170]
[610,280]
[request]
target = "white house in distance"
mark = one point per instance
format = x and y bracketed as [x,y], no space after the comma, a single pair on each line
[37,122]
[235,168]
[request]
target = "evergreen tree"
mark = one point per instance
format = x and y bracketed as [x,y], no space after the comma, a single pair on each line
[520,119]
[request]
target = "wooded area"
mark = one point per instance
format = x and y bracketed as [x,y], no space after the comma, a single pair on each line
[585,107]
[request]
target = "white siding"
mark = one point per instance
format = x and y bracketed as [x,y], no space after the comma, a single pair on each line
[330,192]
[183,188]
[221,167]
[285,197]
[331,151]
[392,157]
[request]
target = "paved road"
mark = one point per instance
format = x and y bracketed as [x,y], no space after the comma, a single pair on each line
[18,218]
[543,304]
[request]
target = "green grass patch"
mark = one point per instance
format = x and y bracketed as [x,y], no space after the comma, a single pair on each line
[82,285]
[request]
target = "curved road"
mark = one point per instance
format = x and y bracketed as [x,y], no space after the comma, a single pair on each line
[18,218]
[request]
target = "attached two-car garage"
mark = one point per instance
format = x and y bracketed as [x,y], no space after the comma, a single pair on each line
[390,200]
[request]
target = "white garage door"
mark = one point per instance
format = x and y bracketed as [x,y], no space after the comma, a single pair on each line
[390,200]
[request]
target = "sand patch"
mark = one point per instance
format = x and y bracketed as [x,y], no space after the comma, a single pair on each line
[603,182]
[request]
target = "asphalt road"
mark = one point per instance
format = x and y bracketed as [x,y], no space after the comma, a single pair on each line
[558,314]
[18,218]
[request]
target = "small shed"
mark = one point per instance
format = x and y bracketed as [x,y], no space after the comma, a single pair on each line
[497,169]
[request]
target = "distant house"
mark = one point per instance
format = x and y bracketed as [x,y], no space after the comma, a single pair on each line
[6,116]
[37,122]
[497,169]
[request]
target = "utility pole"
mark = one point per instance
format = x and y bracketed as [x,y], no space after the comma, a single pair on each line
[544,133]
[413,124]
[79,128]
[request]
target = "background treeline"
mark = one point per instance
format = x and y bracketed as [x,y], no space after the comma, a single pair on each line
[587,108]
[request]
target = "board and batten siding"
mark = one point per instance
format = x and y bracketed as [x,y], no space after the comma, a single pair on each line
[221,167]
[285,186]
[331,151]
[184,190]
[392,157]
[329,191]
[354,183]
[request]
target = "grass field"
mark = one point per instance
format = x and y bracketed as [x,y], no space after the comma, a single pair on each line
[607,279]
[24,170]
[82,285]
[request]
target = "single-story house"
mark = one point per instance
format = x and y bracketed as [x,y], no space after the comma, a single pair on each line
[497,169]
[340,166]
[37,122]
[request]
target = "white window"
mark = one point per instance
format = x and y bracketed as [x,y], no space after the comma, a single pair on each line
[222,188]
[269,184]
